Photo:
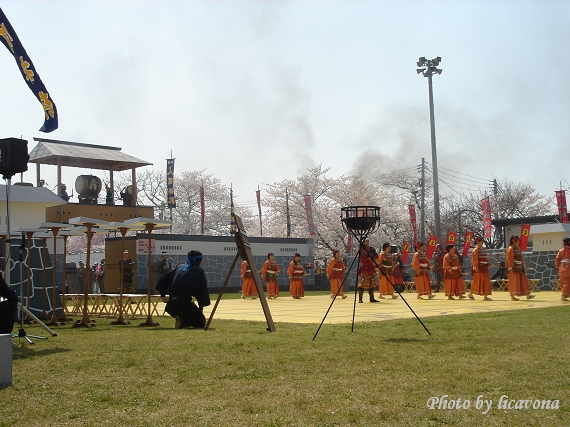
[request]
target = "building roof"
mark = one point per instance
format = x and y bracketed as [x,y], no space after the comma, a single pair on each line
[25,193]
[550,228]
[79,155]
[525,220]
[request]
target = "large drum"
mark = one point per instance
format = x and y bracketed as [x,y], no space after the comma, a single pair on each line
[88,188]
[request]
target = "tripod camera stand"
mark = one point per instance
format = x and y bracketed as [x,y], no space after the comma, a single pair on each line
[361,221]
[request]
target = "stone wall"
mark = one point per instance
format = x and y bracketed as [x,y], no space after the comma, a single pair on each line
[217,267]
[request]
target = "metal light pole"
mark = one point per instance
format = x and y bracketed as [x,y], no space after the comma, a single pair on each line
[427,68]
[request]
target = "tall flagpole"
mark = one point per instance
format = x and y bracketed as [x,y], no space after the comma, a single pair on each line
[232,212]
[287,210]
[258,196]
[202,209]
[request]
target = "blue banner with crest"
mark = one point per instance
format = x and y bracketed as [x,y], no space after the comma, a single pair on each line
[12,42]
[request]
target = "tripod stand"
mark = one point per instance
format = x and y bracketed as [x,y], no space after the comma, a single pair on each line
[361,221]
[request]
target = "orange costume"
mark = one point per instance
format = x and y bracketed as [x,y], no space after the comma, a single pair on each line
[335,273]
[563,265]
[387,273]
[269,271]
[248,284]
[518,282]
[296,273]
[452,280]
[420,264]
[481,284]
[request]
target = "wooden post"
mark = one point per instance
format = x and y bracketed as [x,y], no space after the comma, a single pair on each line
[149,322]
[53,321]
[63,317]
[85,320]
[121,320]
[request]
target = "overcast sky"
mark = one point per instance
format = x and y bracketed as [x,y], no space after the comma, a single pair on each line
[255,92]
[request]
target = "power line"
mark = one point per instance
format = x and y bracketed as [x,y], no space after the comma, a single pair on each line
[453,188]
[467,182]
[471,185]
[402,171]
[470,176]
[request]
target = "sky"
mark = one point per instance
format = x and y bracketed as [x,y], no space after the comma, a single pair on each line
[255,92]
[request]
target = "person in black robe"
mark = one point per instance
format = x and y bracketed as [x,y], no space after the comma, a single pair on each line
[182,284]
[500,274]
[128,271]
[8,307]
[164,265]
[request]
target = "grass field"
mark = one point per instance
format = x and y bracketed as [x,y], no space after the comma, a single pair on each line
[236,374]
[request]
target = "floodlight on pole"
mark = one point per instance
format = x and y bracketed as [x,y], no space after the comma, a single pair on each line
[427,68]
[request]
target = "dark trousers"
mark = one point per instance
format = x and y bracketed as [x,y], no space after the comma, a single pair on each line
[8,311]
[189,313]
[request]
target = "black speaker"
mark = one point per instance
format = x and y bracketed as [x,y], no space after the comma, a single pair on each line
[13,156]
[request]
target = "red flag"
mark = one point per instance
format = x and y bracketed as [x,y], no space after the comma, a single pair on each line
[202,209]
[451,238]
[467,244]
[349,241]
[525,232]
[309,211]
[412,210]
[561,201]
[432,242]
[258,196]
[487,224]
[405,252]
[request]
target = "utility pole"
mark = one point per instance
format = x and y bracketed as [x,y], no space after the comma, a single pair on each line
[428,67]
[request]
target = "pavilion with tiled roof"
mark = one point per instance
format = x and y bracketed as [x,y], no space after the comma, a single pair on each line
[87,156]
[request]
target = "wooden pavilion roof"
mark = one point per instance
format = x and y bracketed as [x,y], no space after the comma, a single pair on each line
[80,155]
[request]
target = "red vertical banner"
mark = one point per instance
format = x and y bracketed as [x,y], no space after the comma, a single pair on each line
[525,232]
[432,242]
[309,211]
[451,238]
[349,241]
[487,224]
[202,209]
[412,209]
[405,252]
[561,202]
[258,196]
[467,244]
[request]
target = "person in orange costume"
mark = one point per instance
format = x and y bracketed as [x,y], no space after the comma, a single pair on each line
[270,271]
[386,272]
[420,264]
[452,280]
[296,273]
[518,282]
[438,266]
[248,284]
[563,265]
[481,284]
[366,272]
[399,272]
[335,273]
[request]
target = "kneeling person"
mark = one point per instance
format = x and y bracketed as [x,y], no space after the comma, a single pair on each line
[183,283]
